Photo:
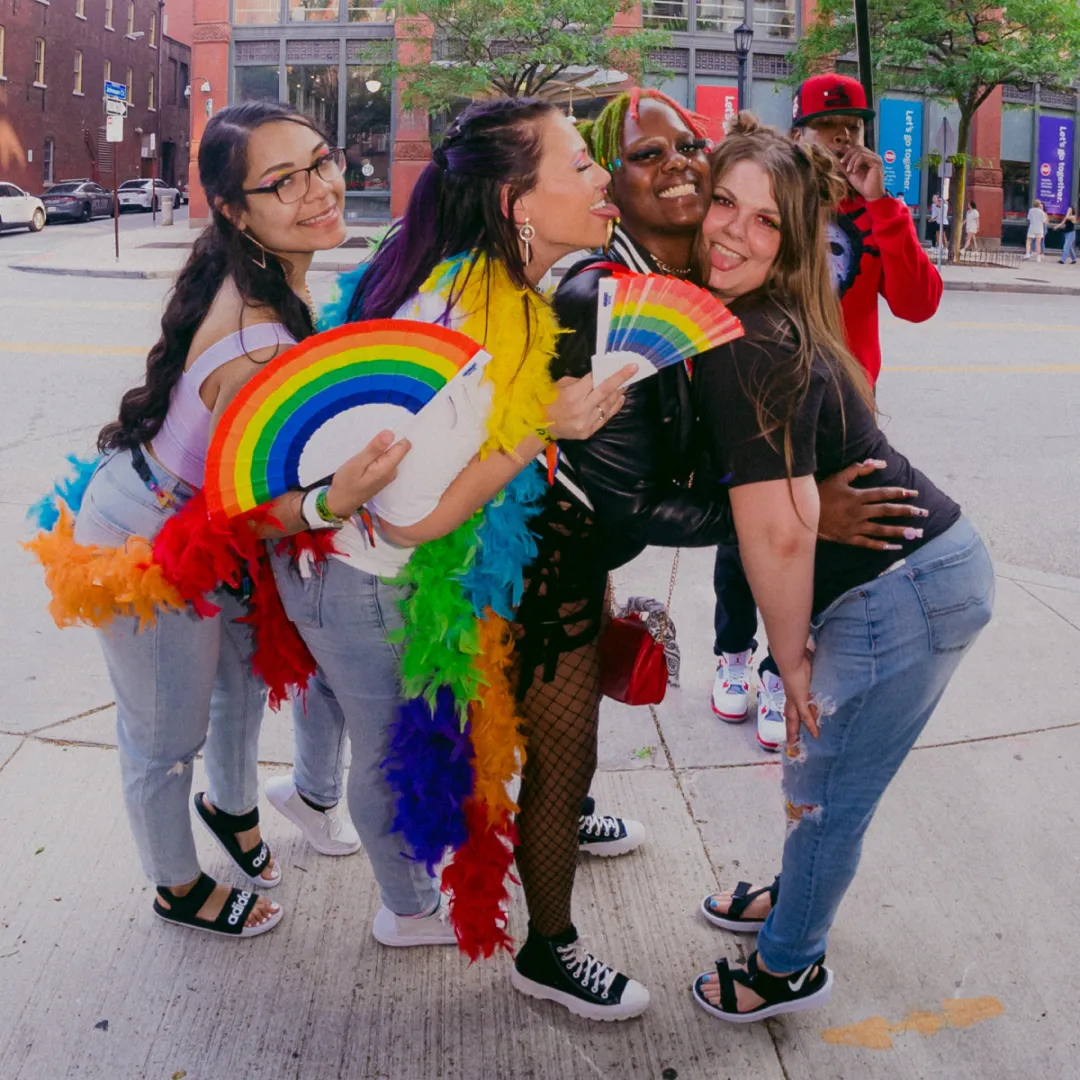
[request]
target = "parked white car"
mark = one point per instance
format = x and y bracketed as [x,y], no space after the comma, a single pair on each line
[19,209]
[136,194]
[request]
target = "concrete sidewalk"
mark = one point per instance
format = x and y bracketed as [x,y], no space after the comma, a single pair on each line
[160,252]
[953,950]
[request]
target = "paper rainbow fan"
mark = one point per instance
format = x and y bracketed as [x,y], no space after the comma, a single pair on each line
[316,405]
[659,320]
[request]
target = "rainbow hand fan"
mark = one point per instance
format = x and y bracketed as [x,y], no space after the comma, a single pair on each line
[656,321]
[312,408]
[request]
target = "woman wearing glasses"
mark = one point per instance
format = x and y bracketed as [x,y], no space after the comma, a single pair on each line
[276,193]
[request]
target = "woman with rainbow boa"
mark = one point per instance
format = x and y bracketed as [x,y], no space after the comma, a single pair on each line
[510,190]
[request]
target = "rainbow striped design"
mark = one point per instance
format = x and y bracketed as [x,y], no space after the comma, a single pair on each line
[256,451]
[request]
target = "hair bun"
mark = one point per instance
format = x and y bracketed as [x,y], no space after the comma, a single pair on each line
[831,184]
[745,123]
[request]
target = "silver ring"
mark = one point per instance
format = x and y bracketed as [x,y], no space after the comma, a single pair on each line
[603,415]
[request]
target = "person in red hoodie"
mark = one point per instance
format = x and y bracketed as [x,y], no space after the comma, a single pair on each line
[874,252]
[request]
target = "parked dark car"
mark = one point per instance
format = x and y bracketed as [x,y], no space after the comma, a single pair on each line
[77,200]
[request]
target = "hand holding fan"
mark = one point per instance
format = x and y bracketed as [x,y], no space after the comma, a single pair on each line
[655,321]
[313,407]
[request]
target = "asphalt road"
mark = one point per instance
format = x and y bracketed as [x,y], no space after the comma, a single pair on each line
[984,398]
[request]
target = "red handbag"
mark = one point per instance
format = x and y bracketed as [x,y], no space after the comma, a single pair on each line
[633,667]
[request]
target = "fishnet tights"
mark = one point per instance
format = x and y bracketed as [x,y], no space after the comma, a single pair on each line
[561,725]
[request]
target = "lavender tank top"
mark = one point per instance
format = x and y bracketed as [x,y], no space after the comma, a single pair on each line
[182,443]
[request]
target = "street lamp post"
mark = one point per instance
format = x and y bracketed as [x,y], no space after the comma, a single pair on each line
[744,38]
[159,102]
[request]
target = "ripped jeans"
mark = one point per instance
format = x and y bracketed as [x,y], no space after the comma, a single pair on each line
[885,653]
[181,683]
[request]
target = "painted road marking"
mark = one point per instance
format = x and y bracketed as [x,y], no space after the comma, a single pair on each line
[875,1033]
[79,350]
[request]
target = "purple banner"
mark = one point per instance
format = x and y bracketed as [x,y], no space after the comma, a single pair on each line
[1055,163]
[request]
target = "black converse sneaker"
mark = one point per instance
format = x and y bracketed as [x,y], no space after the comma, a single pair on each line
[605,835]
[562,970]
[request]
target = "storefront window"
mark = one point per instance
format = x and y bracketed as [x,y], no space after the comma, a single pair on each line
[775,18]
[313,90]
[379,11]
[367,129]
[313,10]
[1016,188]
[257,83]
[256,12]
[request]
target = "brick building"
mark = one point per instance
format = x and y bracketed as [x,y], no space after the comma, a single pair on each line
[55,56]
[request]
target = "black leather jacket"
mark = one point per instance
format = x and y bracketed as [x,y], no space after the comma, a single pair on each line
[636,469]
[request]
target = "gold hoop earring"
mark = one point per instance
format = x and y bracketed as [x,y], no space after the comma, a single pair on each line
[527,234]
[612,222]
[261,261]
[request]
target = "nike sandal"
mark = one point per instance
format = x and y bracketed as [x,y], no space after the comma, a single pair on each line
[798,992]
[741,899]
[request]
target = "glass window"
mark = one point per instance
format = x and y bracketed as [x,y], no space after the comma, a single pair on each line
[131,17]
[371,11]
[150,89]
[256,12]
[664,14]
[47,161]
[313,10]
[367,129]
[257,83]
[775,19]
[130,83]
[174,74]
[151,34]
[80,8]
[313,90]
[39,61]
[108,13]
[77,88]
[720,16]
[108,72]
[1,50]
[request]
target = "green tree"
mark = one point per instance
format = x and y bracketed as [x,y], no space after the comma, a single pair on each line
[955,50]
[519,48]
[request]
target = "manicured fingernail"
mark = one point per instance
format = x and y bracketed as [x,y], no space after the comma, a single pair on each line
[923,513]
[912,494]
[912,534]
[893,547]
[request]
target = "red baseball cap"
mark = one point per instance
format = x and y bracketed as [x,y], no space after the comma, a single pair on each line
[823,95]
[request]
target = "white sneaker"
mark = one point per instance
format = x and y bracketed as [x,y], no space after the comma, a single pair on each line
[771,729]
[327,831]
[731,688]
[402,931]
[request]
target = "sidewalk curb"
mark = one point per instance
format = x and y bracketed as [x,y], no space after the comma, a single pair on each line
[70,271]
[1010,287]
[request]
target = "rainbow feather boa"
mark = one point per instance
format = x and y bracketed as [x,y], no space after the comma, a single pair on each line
[456,744]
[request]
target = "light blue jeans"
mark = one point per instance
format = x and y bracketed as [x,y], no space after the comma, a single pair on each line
[1069,248]
[344,615]
[182,684]
[885,652]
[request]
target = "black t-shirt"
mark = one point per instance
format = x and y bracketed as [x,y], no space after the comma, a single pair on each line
[832,429]
[1070,226]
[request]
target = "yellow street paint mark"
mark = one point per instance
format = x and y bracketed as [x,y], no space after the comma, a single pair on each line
[875,1033]
[990,369]
[78,350]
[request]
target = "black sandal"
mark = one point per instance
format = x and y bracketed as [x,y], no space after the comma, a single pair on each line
[224,827]
[741,899]
[231,920]
[797,992]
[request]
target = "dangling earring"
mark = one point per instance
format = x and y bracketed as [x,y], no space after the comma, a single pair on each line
[612,222]
[261,261]
[527,234]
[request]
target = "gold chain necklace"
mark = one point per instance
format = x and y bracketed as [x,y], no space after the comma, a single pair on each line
[664,268]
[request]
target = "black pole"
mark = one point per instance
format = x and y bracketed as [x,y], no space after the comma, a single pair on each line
[866,73]
[741,82]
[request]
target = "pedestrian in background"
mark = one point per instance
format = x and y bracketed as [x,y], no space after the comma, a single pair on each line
[971,227]
[1068,226]
[1036,233]
[939,222]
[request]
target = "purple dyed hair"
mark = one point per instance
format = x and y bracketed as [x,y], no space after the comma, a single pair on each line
[457,205]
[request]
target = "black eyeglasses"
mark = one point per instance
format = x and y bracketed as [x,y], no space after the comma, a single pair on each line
[295,185]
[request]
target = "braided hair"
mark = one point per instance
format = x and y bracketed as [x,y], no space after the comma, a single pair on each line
[604,135]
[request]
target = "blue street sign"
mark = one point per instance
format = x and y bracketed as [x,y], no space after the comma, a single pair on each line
[899,133]
[116,90]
